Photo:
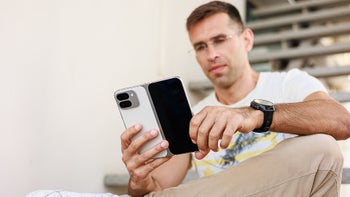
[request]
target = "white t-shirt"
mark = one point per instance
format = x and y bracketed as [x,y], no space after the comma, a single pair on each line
[277,87]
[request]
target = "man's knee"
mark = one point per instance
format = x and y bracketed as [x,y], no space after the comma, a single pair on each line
[325,149]
[326,145]
[320,150]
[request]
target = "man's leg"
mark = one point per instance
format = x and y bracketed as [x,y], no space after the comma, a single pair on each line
[301,166]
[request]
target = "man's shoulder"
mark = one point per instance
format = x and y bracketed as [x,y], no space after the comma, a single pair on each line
[283,77]
[294,71]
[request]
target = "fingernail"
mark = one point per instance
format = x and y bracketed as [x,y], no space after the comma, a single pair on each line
[153,132]
[194,142]
[163,144]
[137,126]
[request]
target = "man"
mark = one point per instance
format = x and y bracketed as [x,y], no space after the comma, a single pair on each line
[231,126]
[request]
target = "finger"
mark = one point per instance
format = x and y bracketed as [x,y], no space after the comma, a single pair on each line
[201,154]
[128,134]
[227,136]
[195,123]
[204,131]
[141,160]
[156,163]
[137,143]
[149,154]
[216,134]
[131,153]
[143,171]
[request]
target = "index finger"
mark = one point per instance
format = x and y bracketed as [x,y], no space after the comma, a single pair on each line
[195,123]
[128,134]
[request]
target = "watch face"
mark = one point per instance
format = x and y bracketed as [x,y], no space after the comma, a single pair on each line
[263,102]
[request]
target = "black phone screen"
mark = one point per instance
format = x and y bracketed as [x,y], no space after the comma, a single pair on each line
[174,114]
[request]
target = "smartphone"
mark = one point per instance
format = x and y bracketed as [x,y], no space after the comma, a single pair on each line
[160,105]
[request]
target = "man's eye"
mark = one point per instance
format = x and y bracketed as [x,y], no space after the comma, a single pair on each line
[219,40]
[200,47]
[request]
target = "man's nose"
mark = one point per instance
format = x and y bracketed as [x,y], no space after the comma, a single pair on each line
[211,52]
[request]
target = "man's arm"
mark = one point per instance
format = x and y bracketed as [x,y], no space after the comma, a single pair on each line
[318,113]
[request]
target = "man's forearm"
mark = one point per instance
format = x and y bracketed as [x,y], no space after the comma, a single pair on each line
[312,116]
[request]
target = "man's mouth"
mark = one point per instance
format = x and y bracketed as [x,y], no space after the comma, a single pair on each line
[217,69]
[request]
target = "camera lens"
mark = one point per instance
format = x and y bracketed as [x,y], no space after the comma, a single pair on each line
[122,96]
[125,104]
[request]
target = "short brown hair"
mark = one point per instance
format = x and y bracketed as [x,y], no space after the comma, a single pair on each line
[212,8]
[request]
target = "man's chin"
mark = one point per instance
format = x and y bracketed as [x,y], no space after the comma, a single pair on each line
[216,76]
[221,82]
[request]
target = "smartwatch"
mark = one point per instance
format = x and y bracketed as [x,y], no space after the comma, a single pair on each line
[267,108]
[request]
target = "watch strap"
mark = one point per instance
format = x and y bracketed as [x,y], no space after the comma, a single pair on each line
[268,116]
[266,123]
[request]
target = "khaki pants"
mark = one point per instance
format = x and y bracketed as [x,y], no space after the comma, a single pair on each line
[301,166]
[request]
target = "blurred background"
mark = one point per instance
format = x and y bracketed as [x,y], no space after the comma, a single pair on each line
[61,62]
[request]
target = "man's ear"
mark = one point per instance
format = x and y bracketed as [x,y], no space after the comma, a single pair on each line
[248,36]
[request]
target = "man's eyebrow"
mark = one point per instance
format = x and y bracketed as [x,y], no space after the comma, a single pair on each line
[212,38]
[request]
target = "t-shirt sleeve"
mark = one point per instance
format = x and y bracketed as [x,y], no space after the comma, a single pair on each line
[299,84]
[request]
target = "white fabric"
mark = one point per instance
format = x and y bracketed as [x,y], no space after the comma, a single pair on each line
[278,87]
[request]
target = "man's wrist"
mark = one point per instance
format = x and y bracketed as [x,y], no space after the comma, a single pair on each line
[268,108]
[258,117]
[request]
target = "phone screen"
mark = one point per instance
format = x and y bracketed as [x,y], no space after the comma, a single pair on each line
[174,114]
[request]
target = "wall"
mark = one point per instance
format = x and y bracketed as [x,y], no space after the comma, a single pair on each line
[60,63]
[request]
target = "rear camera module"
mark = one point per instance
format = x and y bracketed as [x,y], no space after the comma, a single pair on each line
[127,99]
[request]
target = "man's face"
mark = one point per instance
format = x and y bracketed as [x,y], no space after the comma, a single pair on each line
[221,49]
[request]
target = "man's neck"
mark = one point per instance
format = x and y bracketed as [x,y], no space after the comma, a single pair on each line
[238,90]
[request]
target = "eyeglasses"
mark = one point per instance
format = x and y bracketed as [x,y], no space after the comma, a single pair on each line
[217,42]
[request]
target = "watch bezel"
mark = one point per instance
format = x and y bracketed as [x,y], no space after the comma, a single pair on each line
[263,102]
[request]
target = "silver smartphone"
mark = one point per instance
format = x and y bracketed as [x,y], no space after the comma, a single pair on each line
[160,105]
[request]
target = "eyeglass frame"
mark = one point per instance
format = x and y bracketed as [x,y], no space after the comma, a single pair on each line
[215,41]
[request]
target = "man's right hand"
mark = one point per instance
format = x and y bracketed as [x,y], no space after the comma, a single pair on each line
[141,166]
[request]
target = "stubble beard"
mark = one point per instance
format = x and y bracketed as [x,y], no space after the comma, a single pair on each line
[224,81]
